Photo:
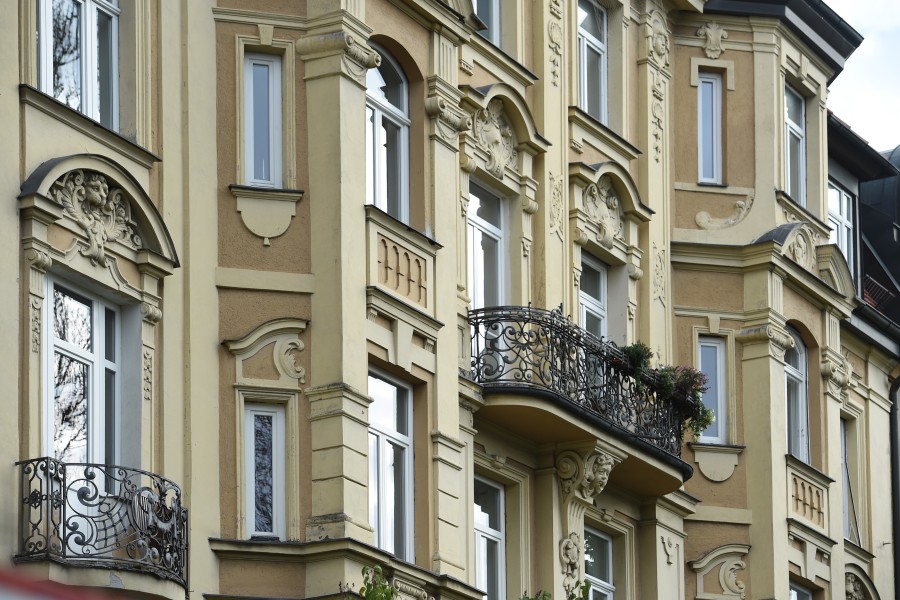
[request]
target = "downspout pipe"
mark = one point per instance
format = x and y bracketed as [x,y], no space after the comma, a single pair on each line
[895,482]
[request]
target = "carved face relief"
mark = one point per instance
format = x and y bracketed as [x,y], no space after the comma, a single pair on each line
[494,134]
[602,207]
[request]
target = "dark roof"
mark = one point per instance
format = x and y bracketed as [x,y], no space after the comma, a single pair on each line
[884,194]
[855,153]
[812,20]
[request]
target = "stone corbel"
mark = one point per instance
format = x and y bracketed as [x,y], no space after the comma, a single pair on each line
[265,212]
[837,375]
[449,121]
[356,56]
[779,340]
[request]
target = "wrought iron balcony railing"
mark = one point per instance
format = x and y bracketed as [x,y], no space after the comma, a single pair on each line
[103,516]
[533,350]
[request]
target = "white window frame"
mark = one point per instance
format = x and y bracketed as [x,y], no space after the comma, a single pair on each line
[709,127]
[276,412]
[799,447]
[378,467]
[90,93]
[850,515]
[273,62]
[798,130]
[720,405]
[604,587]
[488,534]
[799,593]
[399,116]
[843,231]
[477,276]
[598,307]
[102,445]
[587,41]
[491,18]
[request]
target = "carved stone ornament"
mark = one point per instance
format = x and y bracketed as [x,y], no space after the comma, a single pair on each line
[603,209]
[359,58]
[836,375]
[150,313]
[448,122]
[854,587]
[556,205]
[286,359]
[38,259]
[780,340]
[583,476]
[103,214]
[658,129]
[800,247]
[657,34]
[741,210]
[670,548]
[712,34]
[726,561]
[495,135]
[660,269]
[555,35]
[570,559]
[36,306]
[147,376]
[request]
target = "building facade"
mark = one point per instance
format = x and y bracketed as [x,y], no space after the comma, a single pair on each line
[303,287]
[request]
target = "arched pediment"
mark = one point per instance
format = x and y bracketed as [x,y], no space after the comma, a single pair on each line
[107,205]
[858,585]
[516,113]
[834,270]
[624,188]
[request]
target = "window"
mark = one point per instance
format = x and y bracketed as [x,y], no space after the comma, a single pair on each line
[387,138]
[598,564]
[262,120]
[795,145]
[709,127]
[490,539]
[712,363]
[486,246]
[85,376]
[390,466]
[593,295]
[796,379]
[799,593]
[489,13]
[264,445]
[851,522]
[592,59]
[841,210]
[78,55]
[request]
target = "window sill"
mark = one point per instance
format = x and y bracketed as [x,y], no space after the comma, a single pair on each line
[717,462]
[48,105]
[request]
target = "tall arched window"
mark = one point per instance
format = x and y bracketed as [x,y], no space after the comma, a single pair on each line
[387,138]
[796,377]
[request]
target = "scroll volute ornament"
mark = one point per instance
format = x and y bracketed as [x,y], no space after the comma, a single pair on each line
[495,135]
[583,477]
[103,213]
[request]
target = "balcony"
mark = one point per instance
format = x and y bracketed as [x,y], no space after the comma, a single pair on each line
[524,350]
[102,516]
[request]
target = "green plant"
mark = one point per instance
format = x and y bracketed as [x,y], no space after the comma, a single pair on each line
[690,384]
[376,586]
[639,355]
[541,595]
[583,591]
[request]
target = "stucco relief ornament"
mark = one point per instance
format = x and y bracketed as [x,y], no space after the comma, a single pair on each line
[854,587]
[659,272]
[712,34]
[657,112]
[658,39]
[741,209]
[147,376]
[448,121]
[583,477]
[104,214]
[602,207]
[554,31]
[569,557]
[801,247]
[286,359]
[556,205]
[494,134]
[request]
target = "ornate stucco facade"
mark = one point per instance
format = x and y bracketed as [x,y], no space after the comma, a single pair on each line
[352,282]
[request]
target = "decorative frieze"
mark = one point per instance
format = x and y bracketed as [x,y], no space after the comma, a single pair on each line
[808,499]
[402,270]
[103,214]
[712,34]
[495,136]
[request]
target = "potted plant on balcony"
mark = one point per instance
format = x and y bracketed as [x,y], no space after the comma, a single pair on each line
[684,387]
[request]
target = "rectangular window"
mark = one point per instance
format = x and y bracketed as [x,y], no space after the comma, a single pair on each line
[712,363]
[490,539]
[796,390]
[592,58]
[841,212]
[262,120]
[598,564]
[84,370]
[709,127]
[390,466]
[795,145]
[851,522]
[264,448]
[593,294]
[488,12]
[486,248]
[799,593]
[78,55]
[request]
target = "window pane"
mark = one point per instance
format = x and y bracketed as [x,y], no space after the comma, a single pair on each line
[834,201]
[263,467]
[374,483]
[110,428]
[485,11]
[592,81]
[109,342]
[592,282]
[795,167]
[490,269]
[262,160]
[370,150]
[396,498]
[709,364]
[488,512]
[67,52]
[593,323]
[70,408]
[597,556]
[707,128]
[492,572]
[72,320]
[388,410]
[486,206]
[391,174]
[105,64]
[591,20]
[794,107]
